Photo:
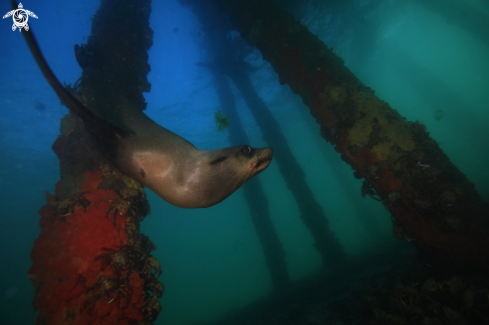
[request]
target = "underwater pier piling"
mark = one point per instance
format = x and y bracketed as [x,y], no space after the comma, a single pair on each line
[217,46]
[255,196]
[432,202]
[228,61]
[91,265]
[311,212]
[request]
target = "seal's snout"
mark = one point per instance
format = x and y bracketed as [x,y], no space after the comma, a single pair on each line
[264,159]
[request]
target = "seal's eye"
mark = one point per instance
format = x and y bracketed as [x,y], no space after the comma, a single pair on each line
[246,150]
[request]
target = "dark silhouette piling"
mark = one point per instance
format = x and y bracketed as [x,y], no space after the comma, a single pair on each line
[227,60]
[255,196]
[431,201]
[312,214]
[218,46]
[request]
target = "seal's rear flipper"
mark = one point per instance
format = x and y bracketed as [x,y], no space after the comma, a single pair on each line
[104,130]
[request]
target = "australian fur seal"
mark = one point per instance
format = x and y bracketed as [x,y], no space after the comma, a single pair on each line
[166,163]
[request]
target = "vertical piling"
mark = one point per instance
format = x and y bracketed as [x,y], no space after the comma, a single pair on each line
[217,46]
[226,61]
[312,214]
[90,263]
[255,196]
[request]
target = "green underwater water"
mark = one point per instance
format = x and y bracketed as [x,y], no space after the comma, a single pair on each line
[415,59]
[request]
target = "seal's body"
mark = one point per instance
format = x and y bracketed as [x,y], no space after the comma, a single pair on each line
[158,158]
[177,171]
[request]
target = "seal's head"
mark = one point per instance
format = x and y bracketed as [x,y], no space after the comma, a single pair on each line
[218,173]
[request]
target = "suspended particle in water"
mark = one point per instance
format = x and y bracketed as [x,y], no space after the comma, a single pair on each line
[10,292]
[439,114]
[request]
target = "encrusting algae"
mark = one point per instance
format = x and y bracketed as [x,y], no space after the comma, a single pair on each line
[377,122]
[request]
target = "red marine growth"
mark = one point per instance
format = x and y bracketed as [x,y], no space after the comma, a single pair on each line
[90,264]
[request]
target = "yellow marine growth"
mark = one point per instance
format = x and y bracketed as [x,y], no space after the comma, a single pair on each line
[222,120]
